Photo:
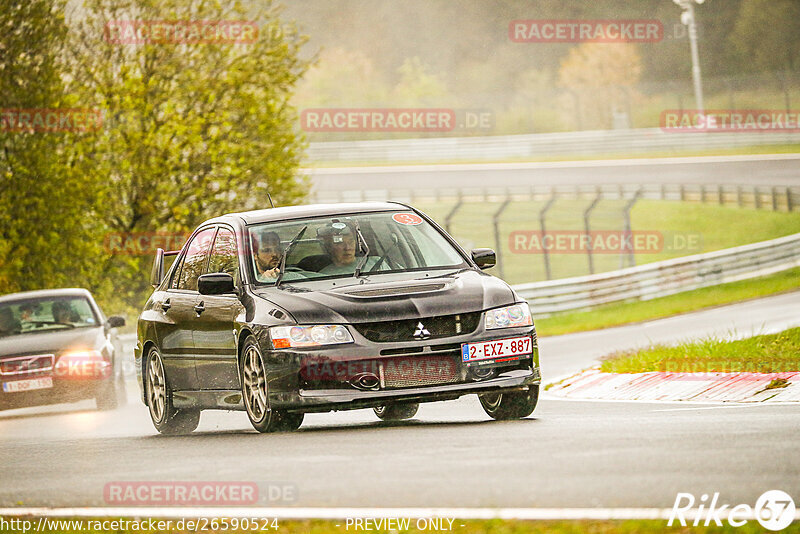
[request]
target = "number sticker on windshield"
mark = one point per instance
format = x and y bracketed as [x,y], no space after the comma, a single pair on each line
[410,219]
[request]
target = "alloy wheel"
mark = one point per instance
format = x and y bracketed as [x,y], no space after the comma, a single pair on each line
[255,384]
[156,386]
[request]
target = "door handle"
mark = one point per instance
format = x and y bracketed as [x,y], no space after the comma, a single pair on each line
[166,305]
[200,308]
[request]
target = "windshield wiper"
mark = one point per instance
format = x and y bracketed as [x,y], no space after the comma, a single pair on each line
[286,251]
[55,323]
[385,254]
[364,249]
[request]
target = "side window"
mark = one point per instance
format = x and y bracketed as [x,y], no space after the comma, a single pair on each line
[194,262]
[176,276]
[224,257]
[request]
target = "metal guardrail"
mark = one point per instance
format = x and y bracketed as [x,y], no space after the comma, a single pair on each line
[663,278]
[759,196]
[541,199]
[499,148]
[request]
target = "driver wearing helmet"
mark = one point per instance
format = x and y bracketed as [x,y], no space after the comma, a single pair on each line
[340,242]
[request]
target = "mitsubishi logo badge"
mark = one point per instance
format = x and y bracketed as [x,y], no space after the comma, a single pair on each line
[421,332]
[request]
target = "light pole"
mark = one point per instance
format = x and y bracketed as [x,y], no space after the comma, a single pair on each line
[687,18]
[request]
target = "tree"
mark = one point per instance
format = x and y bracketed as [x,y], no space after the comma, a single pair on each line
[341,78]
[193,129]
[417,86]
[601,78]
[767,34]
[46,204]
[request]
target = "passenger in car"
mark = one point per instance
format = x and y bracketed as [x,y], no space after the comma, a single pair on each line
[26,312]
[267,248]
[7,322]
[63,312]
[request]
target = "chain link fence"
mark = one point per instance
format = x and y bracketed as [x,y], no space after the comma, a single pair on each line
[545,233]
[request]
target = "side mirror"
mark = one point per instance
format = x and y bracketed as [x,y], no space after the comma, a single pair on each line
[157,274]
[215,284]
[115,321]
[484,258]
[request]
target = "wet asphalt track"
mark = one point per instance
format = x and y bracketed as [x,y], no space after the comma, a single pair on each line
[568,454]
[767,170]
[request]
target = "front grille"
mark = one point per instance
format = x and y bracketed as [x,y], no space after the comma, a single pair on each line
[432,328]
[420,371]
[26,364]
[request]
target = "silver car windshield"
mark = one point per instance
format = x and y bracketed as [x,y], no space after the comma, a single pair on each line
[45,314]
[338,246]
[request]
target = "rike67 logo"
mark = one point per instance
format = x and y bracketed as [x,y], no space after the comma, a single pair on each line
[774,510]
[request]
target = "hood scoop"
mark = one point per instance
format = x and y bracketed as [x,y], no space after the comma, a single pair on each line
[396,290]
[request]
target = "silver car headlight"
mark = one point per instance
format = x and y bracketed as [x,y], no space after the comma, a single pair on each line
[309,336]
[508,317]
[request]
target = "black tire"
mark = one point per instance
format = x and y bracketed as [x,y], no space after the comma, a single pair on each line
[396,412]
[255,393]
[289,422]
[505,406]
[166,418]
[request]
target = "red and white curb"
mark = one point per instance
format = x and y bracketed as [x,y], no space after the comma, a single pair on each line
[661,386]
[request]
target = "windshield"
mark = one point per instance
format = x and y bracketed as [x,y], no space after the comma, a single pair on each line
[338,246]
[45,314]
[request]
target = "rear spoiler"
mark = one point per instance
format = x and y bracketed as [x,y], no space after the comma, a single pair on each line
[157,273]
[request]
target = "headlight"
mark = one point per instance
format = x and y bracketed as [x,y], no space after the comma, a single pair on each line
[309,336]
[82,364]
[509,317]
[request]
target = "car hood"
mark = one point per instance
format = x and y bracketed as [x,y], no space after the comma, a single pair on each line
[390,297]
[52,342]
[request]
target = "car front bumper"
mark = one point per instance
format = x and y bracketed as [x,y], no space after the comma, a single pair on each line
[338,399]
[290,389]
[62,391]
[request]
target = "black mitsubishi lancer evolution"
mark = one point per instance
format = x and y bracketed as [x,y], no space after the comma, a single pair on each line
[291,310]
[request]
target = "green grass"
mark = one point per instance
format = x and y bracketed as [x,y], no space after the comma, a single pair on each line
[771,353]
[492,526]
[631,312]
[716,227]
[719,227]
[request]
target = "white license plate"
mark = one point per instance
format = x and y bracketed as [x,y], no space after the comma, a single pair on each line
[503,348]
[28,385]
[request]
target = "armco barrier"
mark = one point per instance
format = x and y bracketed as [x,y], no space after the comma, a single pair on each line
[504,147]
[663,278]
[759,196]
